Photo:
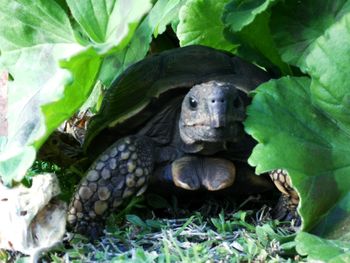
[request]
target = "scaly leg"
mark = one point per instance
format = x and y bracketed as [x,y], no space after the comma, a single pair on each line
[119,172]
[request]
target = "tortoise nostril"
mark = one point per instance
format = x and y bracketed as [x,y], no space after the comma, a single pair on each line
[217,100]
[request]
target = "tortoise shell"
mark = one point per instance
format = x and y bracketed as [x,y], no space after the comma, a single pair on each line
[145,87]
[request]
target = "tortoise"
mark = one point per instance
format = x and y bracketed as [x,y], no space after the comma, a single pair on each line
[173,118]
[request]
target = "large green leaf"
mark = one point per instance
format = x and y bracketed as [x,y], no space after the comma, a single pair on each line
[162,13]
[108,22]
[328,64]
[295,135]
[321,250]
[24,22]
[34,37]
[76,91]
[296,25]
[302,125]
[239,14]
[247,24]
[200,24]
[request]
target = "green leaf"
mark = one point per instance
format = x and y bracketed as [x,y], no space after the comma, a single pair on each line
[296,25]
[27,22]
[34,37]
[336,225]
[14,163]
[239,14]
[247,24]
[170,11]
[328,64]
[318,249]
[38,81]
[200,24]
[136,220]
[302,125]
[76,92]
[265,233]
[295,135]
[154,23]
[108,22]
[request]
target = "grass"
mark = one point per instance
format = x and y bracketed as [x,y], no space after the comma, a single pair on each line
[240,236]
[157,229]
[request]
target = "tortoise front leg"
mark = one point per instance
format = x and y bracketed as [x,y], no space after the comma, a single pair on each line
[194,172]
[119,172]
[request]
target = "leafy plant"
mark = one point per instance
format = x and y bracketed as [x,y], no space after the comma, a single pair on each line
[55,52]
[301,123]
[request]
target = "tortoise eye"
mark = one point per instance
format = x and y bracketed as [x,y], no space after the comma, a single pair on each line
[193,103]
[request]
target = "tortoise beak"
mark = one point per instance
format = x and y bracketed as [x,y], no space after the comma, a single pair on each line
[217,110]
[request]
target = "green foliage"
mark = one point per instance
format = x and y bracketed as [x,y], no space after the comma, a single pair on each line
[159,16]
[195,27]
[107,23]
[35,36]
[247,24]
[222,225]
[56,51]
[319,249]
[296,26]
[319,141]
[310,116]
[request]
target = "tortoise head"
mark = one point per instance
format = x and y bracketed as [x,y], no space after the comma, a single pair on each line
[213,112]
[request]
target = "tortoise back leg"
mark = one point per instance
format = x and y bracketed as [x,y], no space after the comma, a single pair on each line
[118,173]
[287,205]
